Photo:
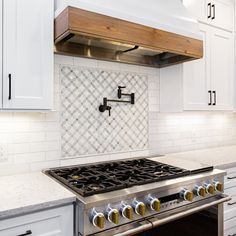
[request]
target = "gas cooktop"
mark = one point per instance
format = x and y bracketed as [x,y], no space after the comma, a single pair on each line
[94,179]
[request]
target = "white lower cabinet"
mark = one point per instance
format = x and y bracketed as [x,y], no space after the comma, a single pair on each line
[230,207]
[230,227]
[53,222]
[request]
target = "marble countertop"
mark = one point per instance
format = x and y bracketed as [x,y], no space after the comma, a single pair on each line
[21,194]
[221,157]
[26,193]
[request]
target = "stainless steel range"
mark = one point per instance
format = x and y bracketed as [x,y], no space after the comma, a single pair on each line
[133,197]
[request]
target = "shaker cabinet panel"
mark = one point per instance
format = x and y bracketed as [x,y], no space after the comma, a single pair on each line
[223,14]
[1,12]
[208,82]
[27,54]
[222,58]
[197,8]
[196,78]
[52,222]
[219,13]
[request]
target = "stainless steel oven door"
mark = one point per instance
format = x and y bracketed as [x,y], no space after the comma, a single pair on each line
[206,213]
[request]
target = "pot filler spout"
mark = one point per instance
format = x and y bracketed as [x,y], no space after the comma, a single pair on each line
[152,33]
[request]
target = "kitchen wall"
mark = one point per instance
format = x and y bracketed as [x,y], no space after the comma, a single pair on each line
[32,141]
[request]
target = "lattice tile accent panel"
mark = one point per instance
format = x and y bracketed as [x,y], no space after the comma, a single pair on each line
[87,131]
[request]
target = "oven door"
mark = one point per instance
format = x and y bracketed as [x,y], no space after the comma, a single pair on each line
[203,218]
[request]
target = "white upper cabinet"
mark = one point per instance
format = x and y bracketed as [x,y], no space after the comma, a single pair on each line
[196,77]
[0,53]
[208,82]
[222,58]
[219,13]
[222,12]
[28,54]
[197,8]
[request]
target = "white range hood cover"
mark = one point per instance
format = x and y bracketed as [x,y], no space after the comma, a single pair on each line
[168,15]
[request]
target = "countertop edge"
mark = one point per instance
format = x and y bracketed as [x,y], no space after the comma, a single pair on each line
[226,166]
[16,212]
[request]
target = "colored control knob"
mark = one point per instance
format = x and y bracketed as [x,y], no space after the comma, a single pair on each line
[186,195]
[209,188]
[98,220]
[154,203]
[219,186]
[113,216]
[127,211]
[139,207]
[200,191]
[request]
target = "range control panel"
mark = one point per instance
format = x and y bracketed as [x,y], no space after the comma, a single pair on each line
[136,208]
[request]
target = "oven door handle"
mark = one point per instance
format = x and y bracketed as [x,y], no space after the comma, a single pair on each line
[155,222]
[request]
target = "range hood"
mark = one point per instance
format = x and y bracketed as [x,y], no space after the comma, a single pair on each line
[154,33]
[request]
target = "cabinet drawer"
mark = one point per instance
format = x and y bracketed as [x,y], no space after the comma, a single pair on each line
[55,222]
[231,170]
[231,191]
[230,214]
[231,204]
[230,209]
[230,227]
[230,180]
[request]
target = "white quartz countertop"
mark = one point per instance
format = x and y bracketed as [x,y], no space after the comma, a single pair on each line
[20,194]
[221,157]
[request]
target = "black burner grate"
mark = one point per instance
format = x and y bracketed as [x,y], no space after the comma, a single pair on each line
[94,179]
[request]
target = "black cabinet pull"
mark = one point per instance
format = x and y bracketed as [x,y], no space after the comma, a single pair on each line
[214,12]
[210,102]
[209,10]
[231,203]
[233,177]
[9,81]
[214,92]
[232,235]
[28,232]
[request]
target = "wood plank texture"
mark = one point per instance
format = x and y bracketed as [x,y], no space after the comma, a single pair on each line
[77,21]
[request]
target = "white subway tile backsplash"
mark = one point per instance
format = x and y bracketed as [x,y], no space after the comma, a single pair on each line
[38,166]
[29,157]
[28,137]
[63,60]
[129,68]
[32,140]
[78,61]
[107,64]
[52,155]
[190,131]
[12,169]
[53,136]
[19,148]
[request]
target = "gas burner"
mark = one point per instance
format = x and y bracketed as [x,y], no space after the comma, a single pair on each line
[94,179]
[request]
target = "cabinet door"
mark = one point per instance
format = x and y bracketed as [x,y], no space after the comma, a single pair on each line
[196,77]
[52,222]
[197,8]
[222,62]
[223,14]
[28,54]
[1,53]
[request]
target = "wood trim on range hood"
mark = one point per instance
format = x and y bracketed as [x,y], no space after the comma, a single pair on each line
[83,33]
